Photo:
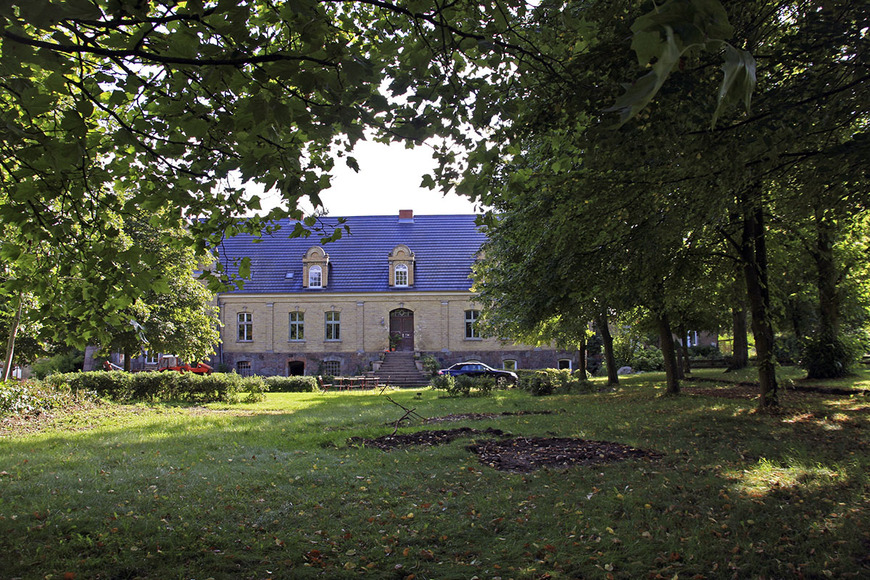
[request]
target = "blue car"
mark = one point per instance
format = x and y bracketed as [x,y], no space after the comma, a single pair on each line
[475,368]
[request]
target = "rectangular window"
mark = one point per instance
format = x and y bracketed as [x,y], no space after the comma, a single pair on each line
[509,364]
[471,330]
[243,368]
[297,326]
[150,358]
[333,325]
[246,326]
[332,367]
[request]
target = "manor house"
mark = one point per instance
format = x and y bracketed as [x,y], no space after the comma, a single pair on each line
[389,282]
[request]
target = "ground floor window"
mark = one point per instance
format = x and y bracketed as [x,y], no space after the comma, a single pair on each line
[295,368]
[332,367]
[243,367]
[565,364]
[509,364]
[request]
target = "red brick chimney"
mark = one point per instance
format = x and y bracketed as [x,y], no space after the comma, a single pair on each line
[406,214]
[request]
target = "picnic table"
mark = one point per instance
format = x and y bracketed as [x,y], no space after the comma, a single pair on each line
[341,383]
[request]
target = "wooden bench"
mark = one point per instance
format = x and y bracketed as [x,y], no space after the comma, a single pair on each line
[342,383]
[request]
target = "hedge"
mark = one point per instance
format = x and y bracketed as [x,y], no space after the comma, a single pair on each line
[307,384]
[163,386]
[462,385]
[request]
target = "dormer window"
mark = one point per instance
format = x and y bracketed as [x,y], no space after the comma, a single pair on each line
[315,277]
[401,261]
[401,275]
[315,268]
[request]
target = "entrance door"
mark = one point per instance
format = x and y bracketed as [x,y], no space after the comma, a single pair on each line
[295,368]
[402,329]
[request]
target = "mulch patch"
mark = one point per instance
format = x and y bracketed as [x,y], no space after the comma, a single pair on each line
[482,416]
[425,438]
[524,454]
[516,454]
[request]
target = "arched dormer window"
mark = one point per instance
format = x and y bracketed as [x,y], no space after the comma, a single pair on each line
[401,261]
[315,277]
[401,275]
[315,268]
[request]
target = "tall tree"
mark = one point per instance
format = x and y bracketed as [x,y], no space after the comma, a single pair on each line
[112,106]
[810,105]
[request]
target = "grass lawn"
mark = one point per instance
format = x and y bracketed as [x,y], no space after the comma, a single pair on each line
[272,490]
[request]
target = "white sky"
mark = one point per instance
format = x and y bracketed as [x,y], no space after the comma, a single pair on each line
[388,180]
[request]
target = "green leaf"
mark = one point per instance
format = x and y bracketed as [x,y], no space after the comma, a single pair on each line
[245,267]
[738,83]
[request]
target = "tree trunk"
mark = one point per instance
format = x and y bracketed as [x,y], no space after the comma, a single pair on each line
[740,346]
[581,356]
[754,255]
[607,339]
[829,298]
[684,366]
[128,360]
[10,343]
[666,337]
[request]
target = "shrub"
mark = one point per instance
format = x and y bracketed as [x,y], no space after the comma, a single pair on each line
[163,386]
[827,358]
[704,352]
[538,383]
[550,381]
[292,384]
[112,385]
[30,397]
[431,366]
[65,362]
[442,382]
[647,358]
[463,385]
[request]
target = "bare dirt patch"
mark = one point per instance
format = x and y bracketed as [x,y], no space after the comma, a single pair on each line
[523,454]
[482,416]
[422,438]
[517,454]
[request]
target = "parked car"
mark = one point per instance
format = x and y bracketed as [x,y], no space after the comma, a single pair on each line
[173,363]
[475,368]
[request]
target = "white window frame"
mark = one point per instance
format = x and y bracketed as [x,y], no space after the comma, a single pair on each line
[245,322]
[509,364]
[471,330]
[315,277]
[332,320]
[296,326]
[401,275]
[565,360]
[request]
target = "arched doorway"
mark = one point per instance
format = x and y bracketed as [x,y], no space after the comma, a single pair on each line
[402,329]
[295,368]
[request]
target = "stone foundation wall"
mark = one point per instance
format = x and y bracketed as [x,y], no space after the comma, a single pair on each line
[352,364]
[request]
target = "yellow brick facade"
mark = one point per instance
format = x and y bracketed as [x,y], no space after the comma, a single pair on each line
[439,330]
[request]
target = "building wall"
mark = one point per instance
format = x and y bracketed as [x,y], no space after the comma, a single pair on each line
[439,330]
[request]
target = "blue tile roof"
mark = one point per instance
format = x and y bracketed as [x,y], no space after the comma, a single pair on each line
[444,246]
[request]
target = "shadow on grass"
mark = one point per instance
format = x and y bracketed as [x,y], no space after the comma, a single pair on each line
[272,490]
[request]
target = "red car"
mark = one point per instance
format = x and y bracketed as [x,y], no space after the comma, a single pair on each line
[173,363]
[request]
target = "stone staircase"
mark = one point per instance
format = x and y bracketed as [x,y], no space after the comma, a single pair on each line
[400,370]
